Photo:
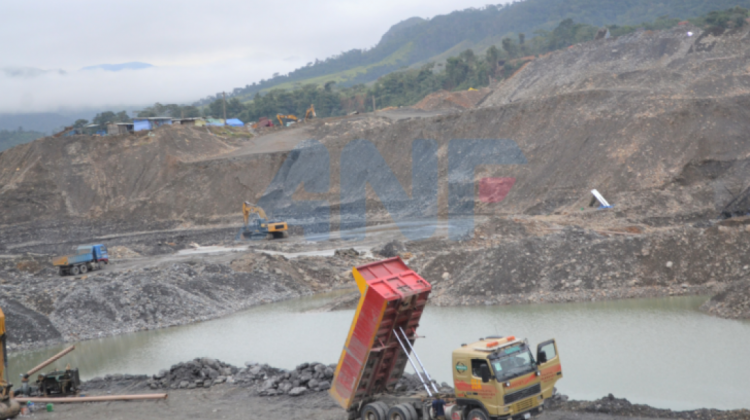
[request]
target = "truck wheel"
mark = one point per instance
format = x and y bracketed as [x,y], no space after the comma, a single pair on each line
[373,411]
[478,414]
[74,270]
[62,271]
[102,264]
[400,412]
[413,410]
[382,404]
[84,269]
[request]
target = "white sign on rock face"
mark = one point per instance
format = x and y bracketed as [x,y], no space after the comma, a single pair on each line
[601,199]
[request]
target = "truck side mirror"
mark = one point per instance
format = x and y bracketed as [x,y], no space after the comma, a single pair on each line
[542,356]
[484,370]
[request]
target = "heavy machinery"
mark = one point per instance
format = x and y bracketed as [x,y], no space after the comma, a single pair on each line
[260,227]
[9,407]
[58,383]
[87,258]
[494,377]
[310,113]
[286,120]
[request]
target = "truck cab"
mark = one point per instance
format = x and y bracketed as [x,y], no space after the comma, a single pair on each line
[87,258]
[500,378]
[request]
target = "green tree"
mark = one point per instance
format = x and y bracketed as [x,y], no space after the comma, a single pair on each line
[492,57]
[80,123]
[509,48]
[105,118]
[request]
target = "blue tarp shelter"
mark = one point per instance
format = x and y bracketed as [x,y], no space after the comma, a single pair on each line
[234,122]
[141,124]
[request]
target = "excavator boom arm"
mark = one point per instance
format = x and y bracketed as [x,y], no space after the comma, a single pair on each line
[248,209]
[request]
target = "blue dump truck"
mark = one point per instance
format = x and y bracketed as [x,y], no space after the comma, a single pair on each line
[87,258]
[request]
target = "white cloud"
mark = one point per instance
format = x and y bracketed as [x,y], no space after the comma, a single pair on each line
[200,47]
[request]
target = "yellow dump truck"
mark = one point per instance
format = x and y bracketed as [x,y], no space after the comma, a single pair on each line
[494,377]
[498,377]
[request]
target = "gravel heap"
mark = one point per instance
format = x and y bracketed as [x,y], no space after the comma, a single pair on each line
[622,407]
[351,252]
[410,383]
[267,381]
[389,250]
[43,307]
[734,302]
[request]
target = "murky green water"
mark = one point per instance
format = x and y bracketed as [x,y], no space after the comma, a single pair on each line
[662,352]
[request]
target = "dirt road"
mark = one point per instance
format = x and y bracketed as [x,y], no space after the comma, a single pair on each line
[230,403]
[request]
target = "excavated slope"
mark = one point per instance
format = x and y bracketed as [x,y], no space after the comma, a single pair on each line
[657,122]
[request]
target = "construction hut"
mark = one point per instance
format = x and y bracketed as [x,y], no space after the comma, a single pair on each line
[159,121]
[234,122]
[114,129]
[217,122]
[189,121]
[150,123]
[94,129]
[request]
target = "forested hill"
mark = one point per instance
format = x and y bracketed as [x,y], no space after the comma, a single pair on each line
[417,40]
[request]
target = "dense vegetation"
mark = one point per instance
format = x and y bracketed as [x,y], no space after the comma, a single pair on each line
[407,86]
[12,138]
[418,40]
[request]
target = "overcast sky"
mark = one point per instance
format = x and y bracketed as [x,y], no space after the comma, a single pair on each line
[199,47]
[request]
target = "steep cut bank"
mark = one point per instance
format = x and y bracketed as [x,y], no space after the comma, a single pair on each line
[734,302]
[657,122]
[134,295]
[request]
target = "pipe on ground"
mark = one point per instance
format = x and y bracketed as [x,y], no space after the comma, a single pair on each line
[62,400]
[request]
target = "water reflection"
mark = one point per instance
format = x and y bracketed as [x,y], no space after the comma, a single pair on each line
[662,352]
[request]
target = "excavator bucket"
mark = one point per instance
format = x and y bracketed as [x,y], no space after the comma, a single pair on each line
[392,297]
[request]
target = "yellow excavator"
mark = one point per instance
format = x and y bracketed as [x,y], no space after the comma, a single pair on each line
[310,114]
[261,226]
[9,407]
[284,119]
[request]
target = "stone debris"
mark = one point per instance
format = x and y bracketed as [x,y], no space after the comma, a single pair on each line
[733,302]
[610,405]
[346,253]
[266,380]
[390,250]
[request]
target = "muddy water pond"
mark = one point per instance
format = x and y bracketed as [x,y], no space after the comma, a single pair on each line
[661,352]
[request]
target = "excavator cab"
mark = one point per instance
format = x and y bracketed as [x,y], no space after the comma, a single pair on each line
[260,227]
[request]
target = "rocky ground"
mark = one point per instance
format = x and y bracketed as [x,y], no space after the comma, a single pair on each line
[514,260]
[208,388]
[134,295]
[733,302]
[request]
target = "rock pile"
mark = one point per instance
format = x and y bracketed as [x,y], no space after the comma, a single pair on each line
[734,302]
[611,405]
[344,253]
[198,373]
[409,383]
[389,250]
[267,381]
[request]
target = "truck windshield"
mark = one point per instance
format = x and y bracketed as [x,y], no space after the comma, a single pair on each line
[512,361]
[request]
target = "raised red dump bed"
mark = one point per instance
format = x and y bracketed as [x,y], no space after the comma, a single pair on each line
[392,296]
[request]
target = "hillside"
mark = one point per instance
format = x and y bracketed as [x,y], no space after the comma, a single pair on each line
[417,40]
[657,121]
